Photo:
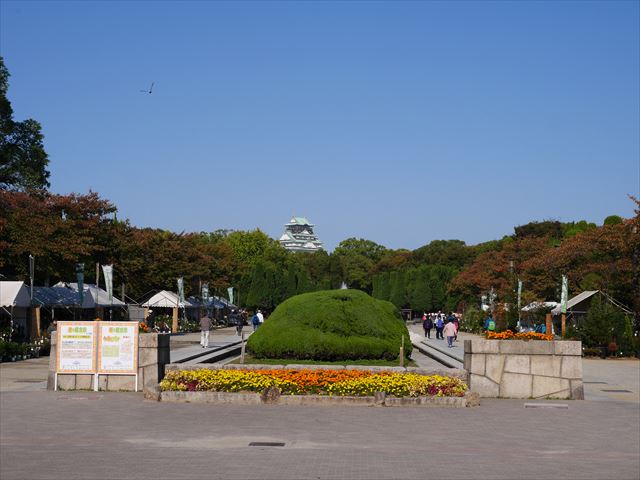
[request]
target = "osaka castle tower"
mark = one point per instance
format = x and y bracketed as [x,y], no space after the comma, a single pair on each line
[298,236]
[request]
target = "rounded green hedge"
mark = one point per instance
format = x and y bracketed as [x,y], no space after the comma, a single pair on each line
[331,325]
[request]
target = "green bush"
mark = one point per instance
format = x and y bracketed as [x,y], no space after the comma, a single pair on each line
[473,320]
[331,325]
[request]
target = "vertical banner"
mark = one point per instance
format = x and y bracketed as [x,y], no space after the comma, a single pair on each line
[80,280]
[108,280]
[565,294]
[230,291]
[180,292]
[32,269]
[519,293]
[205,293]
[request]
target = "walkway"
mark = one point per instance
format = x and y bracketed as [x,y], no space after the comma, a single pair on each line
[188,345]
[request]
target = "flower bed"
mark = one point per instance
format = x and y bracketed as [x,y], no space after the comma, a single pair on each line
[357,383]
[509,335]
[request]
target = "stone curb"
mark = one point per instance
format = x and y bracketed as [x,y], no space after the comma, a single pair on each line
[470,399]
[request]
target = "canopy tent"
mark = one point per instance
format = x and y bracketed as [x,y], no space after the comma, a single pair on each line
[55,297]
[574,301]
[212,302]
[166,299]
[576,305]
[93,297]
[537,305]
[14,294]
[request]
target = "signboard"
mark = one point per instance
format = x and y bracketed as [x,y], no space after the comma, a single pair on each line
[118,352]
[76,347]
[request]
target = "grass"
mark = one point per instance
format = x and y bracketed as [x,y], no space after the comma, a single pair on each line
[250,360]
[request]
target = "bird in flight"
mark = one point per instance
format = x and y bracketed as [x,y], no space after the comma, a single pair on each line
[150,89]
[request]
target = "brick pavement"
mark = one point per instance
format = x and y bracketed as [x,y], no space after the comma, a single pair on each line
[86,435]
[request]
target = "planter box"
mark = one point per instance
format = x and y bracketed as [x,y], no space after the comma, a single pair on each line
[524,368]
[469,400]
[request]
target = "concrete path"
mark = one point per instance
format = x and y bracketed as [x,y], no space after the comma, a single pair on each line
[109,435]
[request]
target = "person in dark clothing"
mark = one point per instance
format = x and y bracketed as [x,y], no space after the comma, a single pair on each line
[236,319]
[439,326]
[427,324]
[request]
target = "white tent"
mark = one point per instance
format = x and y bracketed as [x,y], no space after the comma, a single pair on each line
[536,305]
[93,297]
[165,299]
[14,294]
[574,301]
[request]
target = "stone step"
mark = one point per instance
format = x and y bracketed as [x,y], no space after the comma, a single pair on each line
[438,356]
[457,352]
[217,355]
[193,353]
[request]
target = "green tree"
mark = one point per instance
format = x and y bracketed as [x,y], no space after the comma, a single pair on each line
[398,289]
[612,220]
[357,258]
[420,294]
[23,160]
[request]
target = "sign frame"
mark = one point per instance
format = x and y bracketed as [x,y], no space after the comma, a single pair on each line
[100,370]
[60,334]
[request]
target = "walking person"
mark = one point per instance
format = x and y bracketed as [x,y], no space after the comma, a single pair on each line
[456,323]
[260,316]
[255,321]
[490,324]
[205,326]
[439,326]
[450,332]
[427,324]
[237,320]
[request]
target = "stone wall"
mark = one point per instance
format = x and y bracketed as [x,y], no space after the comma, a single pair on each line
[153,356]
[524,369]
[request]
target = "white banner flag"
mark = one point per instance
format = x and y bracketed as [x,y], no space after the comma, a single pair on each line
[565,294]
[230,291]
[107,270]
[181,292]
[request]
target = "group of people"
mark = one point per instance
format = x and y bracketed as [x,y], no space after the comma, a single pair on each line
[237,318]
[445,325]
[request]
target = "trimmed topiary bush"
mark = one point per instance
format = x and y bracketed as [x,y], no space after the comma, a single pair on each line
[331,325]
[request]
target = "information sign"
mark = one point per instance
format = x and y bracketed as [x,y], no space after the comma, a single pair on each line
[76,347]
[118,348]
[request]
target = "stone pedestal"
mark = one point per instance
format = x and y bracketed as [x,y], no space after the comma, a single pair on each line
[524,369]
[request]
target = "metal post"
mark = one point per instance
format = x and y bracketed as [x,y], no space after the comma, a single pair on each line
[402,352]
[242,349]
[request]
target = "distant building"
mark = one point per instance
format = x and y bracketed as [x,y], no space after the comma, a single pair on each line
[298,236]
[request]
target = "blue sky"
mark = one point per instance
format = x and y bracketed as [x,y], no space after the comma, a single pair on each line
[399,122]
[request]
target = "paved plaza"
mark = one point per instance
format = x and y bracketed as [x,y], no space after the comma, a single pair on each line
[87,435]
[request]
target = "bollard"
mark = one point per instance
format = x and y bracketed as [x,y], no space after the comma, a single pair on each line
[242,350]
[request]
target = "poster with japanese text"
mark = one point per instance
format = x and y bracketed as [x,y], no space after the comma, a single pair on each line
[118,347]
[76,347]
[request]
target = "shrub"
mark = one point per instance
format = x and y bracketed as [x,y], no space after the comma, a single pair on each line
[331,325]
[473,320]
